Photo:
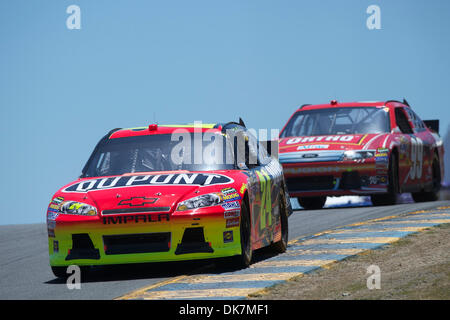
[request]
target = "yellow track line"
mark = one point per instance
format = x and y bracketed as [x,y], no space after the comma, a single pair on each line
[143,291]
[140,292]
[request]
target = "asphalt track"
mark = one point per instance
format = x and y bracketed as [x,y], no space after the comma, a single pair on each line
[25,273]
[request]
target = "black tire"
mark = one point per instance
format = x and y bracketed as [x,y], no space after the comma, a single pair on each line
[60,272]
[312,203]
[281,245]
[389,198]
[243,260]
[432,195]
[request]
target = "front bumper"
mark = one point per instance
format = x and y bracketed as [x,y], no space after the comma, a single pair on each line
[113,240]
[309,179]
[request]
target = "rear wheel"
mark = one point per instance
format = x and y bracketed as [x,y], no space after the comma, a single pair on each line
[312,203]
[433,194]
[389,198]
[281,245]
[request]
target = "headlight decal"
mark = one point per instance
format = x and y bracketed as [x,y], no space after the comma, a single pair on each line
[77,208]
[358,154]
[205,200]
[226,195]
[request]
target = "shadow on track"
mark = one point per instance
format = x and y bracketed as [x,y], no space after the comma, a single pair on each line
[158,270]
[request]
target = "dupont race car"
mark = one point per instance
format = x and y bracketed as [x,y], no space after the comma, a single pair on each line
[376,149]
[166,193]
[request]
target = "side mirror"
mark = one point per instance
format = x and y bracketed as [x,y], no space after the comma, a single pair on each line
[433,125]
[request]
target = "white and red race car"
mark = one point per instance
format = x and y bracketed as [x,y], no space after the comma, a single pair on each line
[379,149]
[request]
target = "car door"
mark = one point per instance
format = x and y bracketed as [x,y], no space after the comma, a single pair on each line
[262,195]
[421,151]
[405,150]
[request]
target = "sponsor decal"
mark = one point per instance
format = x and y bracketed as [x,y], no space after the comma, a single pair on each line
[232,214]
[227,236]
[57,200]
[243,188]
[55,246]
[381,159]
[229,197]
[313,169]
[382,150]
[231,205]
[51,228]
[54,206]
[384,154]
[314,146]
[228,190]
[231,223]
[52,214]
[339,138]
[51,224]
[138,218]
[373,180]
[51,233]
[382,179]
[201,179]
[137,201]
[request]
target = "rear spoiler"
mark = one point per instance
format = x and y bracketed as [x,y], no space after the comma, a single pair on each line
[433,125]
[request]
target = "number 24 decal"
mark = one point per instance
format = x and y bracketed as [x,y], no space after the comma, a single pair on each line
[266,199]
[416,158]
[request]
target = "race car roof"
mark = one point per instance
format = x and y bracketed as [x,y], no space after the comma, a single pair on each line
[163,129]
[336,104]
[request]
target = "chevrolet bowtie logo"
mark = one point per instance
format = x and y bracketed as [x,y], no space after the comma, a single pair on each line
[137,201]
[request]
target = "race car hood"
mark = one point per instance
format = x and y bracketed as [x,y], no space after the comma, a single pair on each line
[331,142]
[331,146]
[153,191]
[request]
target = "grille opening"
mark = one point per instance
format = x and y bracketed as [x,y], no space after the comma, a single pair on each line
[350,180]
[310,183]
[82,248]
[137,243]
[193,241]
[192,235]
[135,210]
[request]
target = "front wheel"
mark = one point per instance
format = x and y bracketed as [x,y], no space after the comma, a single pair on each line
[389,198]
[245,258]
[312,203]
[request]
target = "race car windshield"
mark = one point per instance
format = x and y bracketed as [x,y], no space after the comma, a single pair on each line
[161,152]
[338,121]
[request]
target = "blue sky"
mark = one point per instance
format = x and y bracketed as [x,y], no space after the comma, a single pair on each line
[181,61]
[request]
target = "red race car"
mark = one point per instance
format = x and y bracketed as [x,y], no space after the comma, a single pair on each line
[379,149]
[165,193]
